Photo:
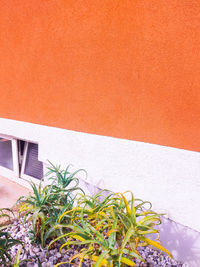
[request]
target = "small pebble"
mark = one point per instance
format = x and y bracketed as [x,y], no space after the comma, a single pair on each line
[58,255]
[36,250]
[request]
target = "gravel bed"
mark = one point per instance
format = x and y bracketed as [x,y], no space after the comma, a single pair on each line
[50,258]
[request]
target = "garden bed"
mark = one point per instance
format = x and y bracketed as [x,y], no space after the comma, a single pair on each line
[58,225]
[49,258]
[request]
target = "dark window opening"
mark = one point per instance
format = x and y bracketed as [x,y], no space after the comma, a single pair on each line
[33,167]
[6,157]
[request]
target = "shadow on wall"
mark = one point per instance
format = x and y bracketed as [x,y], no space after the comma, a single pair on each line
[92,190]
[183,242]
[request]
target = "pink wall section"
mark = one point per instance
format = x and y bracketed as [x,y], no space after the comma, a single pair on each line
[128,69]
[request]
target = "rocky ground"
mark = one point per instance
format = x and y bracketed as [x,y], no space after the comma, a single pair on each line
[49,258]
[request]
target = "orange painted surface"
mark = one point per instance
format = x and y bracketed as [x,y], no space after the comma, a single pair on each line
[128,69]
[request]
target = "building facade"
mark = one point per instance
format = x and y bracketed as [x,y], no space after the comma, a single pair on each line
[111,87]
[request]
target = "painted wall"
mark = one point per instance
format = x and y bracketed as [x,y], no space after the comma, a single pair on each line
[128,69]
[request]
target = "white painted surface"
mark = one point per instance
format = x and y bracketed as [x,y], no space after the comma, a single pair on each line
[168,177]
[181,241]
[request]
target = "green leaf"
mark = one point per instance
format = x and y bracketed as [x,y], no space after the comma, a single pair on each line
[101,258]
[156,245]
[127,237]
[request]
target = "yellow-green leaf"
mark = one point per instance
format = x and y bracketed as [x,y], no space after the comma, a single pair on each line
[156,245]
[128,210]
[95,258]
[112,231]
[127,261]
[78,237]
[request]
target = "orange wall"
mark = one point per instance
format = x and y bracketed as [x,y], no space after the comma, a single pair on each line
[128,69]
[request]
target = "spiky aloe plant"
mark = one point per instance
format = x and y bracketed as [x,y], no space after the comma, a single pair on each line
[36,206]
[6,241]
[64,182]
[46,203]
[111,229]
[17,260]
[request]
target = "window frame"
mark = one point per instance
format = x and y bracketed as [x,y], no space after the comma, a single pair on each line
[22,174]
[16,174]
[13,174]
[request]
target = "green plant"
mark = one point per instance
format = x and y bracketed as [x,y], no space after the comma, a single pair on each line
[17,260]
[54,228]
[37,206]
[64,183]
[101,244]
[111,230]
[45,205]
[6,241]
[5,244]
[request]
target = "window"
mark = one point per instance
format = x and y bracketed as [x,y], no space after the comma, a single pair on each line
[8,157]
[19,158]
[31,166]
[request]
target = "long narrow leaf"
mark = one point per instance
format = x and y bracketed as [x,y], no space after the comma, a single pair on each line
[156,245]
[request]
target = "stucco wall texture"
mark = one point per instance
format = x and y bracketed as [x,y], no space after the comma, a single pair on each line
[128,69]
